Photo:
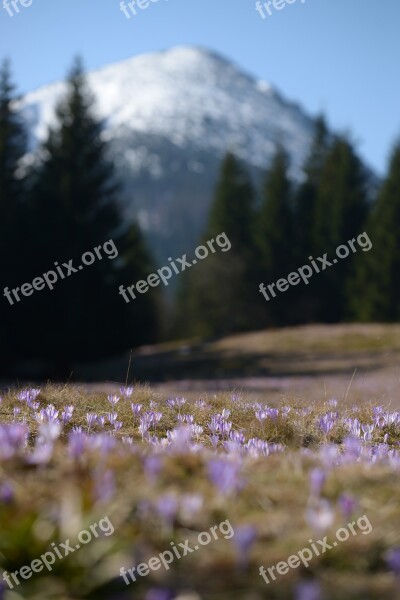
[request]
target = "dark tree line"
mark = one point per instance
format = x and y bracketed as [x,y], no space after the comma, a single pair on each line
[286,226]
[55,212]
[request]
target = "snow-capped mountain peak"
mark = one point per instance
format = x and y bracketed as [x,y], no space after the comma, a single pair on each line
[170,117]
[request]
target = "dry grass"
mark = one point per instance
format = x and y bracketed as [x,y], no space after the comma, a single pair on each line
[55,501]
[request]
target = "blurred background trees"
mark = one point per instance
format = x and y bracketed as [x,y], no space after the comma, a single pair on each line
[70,208]
[68,202]
[13,188]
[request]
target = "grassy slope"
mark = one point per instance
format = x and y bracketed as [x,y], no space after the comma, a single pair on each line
[313,350]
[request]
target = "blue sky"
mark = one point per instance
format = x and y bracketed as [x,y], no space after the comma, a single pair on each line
[338,56]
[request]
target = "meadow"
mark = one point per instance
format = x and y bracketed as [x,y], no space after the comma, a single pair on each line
[163,469]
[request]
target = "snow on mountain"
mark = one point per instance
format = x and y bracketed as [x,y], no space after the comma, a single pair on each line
[190,96]
[170,117]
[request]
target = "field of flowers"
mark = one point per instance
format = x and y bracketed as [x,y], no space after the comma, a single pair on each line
[162,470]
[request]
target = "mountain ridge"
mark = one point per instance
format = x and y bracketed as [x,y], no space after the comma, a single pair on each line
[170,116]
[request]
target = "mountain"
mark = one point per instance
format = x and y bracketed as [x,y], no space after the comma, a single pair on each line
[170,117]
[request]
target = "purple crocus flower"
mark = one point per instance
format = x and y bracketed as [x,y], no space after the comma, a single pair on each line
[91,419]
[197,430]
[152,466]
[104,486]
[266,413]
[175,402]
[320,515]
[224,474]
[13,438]
[187,419]
[244,538]
[101,442]
[191,505]
[327,422]
[219,424]
[347,505]
[101,421]
[113,400]
[6,493]
[136,408]
[49,432]
[308,590]
[167,508]
[47,414]
[256,447]
[214,439]
[354,426]
[368,431]
[67,413]
[127,440]
[159,594]
[352,447]
[145,423]
[273,413]
[261,414]
[156,417]
[317,480]
[33,405]
[41,454]
[200,404]
[237,436]
[39,416]
[28,396]
[76,444]
[112,417]
[392,558]
[179,439]
[51,413]
[126,392]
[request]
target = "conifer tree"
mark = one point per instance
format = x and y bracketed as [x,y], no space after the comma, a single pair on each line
[221,296]
[340,212]
[305,201]
[305,309]
[233,208]
[74,210]
[12,194]
[276,233]
[374,293]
